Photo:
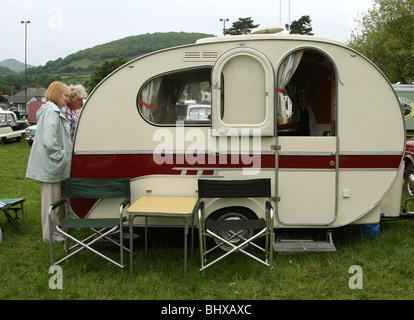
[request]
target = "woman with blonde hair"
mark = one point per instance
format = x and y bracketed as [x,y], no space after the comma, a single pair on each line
[51,153]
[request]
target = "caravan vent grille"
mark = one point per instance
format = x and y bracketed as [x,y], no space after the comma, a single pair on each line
[200,55]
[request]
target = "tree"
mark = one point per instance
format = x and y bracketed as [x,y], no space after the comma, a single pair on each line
[101,71]
[384,35]
[301,26]
[241,26]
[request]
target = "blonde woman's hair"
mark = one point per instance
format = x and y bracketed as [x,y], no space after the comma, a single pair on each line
[55,90]
[77,92]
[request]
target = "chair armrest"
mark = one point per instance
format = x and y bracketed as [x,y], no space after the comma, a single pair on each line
[200,211]
[268,205]
[58,203]
[122,207]
[125,202]
[201,205]
[269,211]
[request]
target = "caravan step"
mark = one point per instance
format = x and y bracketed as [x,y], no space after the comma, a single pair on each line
[301,243]
[300,246]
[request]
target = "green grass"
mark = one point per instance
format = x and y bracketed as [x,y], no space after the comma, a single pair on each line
[387,262]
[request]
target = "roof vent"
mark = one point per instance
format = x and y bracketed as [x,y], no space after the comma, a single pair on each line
[267,30]
[200,55]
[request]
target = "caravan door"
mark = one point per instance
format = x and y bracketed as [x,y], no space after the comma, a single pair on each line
[307,181]
[308,148]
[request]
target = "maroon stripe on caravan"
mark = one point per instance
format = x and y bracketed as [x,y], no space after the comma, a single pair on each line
[138,165]
[370,162]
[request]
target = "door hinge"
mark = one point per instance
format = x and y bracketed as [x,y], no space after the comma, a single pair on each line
[275,199]
[276,147]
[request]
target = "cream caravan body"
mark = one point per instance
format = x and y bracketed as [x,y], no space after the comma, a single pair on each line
[316,117]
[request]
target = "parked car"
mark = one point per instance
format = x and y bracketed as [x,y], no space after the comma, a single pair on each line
[409,167]
[30,134]
[11,127]
[198,112]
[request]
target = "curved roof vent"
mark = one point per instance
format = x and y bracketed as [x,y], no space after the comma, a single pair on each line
[267,30]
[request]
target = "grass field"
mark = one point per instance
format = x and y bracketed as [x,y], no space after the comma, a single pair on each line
[387,262]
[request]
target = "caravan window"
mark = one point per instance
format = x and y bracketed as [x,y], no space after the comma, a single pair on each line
[306,94]
[183,95]
[242,93]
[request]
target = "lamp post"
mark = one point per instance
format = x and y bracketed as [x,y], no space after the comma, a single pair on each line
[25,63]
[224,25]
[280,14]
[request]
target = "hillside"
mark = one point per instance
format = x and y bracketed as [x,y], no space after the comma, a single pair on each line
[13,65]
[130,47]
[78,66]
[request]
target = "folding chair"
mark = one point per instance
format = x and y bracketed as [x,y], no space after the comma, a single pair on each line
[236,228]
[102,228]
[15,205]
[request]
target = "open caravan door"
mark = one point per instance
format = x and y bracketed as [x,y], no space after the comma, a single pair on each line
[307,141]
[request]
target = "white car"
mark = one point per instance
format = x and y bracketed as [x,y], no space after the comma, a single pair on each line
[30,134]
[198,112]
[11,127]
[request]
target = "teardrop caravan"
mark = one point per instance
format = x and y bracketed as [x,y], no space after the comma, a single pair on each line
[313,115]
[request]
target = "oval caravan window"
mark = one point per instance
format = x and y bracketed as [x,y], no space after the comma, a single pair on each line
[242,93]
[182,95]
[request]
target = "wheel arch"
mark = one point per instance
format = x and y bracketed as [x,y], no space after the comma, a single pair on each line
[214,207]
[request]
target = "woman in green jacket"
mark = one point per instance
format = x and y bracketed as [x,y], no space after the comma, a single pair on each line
[50,157]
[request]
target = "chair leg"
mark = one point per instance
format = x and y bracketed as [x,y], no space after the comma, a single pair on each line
[201,237]
[50,237]
[270,250]
[121,242]
[51,251]
[235,248]
[87,246]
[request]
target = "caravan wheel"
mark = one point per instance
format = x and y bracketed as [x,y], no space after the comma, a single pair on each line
[409,180]
[232,213]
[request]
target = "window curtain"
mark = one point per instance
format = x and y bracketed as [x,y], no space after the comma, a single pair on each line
[171,92]
[286,71]
[148,96]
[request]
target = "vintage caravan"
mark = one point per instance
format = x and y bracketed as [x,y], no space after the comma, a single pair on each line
[313,115]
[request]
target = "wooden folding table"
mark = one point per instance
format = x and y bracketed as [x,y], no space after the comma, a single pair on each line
[161,207]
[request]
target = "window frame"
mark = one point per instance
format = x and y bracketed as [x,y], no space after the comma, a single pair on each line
[221,128]
[139,105]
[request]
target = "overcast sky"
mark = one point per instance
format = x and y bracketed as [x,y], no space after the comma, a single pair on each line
[59,28]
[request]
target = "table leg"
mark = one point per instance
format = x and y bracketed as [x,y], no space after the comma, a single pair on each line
[146,235]
[185,247]
[131,245]
[23,213]
[192,236]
